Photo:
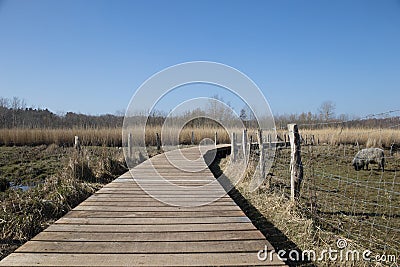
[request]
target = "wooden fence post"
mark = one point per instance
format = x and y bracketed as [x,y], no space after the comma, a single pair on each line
[77,143]
[158,142]
[192,140]
[261,150]
[233,147]
[244,144]
[259,138]
[216,138]
[296,166]
[130,145]
[269,140]
[250,137]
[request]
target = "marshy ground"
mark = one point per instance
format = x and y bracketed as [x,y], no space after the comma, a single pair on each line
[42,183]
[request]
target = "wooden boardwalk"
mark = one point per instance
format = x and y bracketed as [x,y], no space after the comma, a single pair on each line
[121,225]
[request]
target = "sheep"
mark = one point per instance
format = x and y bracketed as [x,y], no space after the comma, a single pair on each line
[367,156]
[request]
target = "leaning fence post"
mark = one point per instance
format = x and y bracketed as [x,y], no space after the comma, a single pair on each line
[77,144]
[130,145]
[244,144]
[233,147]
[158,142]
[296,166]
[261,150]
[269,140]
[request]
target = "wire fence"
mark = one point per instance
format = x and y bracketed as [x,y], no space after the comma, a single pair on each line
[361,205]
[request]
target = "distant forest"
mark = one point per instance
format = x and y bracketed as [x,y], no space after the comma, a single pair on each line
[14,113]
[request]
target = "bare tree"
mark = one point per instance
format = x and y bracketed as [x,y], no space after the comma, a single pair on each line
[243,115]
[4,102]
[327,110]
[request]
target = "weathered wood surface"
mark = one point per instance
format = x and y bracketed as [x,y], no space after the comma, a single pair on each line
[121,225]
[296,165]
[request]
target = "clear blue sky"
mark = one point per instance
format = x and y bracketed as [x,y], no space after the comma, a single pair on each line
[90,56]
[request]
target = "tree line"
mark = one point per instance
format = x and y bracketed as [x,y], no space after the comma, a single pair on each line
[14,113]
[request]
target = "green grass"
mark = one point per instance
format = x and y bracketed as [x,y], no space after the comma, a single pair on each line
[31,165]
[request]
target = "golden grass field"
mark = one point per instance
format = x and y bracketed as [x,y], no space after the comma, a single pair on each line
[362,136]
[98,137]
[113,136]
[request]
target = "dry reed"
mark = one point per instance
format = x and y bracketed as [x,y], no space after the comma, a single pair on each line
[362,136]
[102,136]
[113,136]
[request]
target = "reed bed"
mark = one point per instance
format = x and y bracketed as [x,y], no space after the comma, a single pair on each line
[361,136]
[113,136]
[61,137]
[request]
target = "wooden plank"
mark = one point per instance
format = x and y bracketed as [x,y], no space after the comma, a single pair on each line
[176,196]
[152,214]
[150,236]
[135,247]
[155,203]
[163,188]
[112,206]
[178,201]
[147,221]
[143,228]
[172,193]
[188,259]
[163,185]
[150,203]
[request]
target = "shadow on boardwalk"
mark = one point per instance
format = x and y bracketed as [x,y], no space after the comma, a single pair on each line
[276,237]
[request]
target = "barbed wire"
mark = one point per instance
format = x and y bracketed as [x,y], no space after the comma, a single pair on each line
[366,117]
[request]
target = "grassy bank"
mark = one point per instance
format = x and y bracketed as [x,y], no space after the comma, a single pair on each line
[57,180]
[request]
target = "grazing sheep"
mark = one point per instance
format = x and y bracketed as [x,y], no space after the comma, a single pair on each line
[367,156]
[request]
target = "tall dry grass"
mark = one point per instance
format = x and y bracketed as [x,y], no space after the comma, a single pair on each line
[113,136]
[64,137]
[362,136]
[185,135]
[102,137]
